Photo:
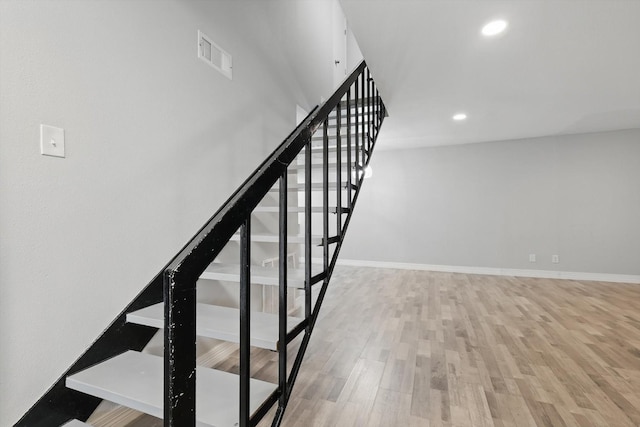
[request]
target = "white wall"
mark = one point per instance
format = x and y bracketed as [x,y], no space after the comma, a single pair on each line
[493,204]
[354,55]
[156,140]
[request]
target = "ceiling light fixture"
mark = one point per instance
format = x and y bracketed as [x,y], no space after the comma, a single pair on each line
[494,28]
[459,117]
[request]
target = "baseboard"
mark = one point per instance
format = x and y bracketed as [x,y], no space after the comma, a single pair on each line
[543,274]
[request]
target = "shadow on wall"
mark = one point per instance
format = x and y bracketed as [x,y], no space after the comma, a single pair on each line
[622,119]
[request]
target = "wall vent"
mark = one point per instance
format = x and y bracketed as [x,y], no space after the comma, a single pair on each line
[214,55]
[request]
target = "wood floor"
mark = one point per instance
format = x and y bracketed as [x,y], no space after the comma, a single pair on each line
[416,348]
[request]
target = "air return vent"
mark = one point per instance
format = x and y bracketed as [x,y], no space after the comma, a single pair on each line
[214,55]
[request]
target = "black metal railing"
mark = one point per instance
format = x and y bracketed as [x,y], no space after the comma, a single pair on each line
[183,272]
[357,101]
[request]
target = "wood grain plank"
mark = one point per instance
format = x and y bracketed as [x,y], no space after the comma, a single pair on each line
[418,348]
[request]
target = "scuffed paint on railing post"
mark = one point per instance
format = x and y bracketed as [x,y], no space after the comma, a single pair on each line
[179,352]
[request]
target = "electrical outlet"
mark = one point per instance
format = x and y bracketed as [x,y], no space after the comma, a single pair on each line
[532,257]
[555,259]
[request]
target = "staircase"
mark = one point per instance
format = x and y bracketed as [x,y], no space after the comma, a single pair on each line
[316,174]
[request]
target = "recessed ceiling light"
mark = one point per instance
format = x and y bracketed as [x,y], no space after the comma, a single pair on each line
[494,28]
[460,116]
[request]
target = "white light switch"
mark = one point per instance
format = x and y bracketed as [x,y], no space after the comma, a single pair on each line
[51,141]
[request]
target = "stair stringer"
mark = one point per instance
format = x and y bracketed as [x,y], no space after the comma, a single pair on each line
[61,404]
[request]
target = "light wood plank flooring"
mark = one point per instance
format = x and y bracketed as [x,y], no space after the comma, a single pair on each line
[416,348]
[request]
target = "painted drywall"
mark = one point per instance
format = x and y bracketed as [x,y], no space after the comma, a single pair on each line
[354,55]
[492,204]
[156,140]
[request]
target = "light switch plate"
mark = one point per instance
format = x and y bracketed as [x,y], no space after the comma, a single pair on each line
[51,141]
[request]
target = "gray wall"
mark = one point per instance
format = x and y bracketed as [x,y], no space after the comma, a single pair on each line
[493,204]
[156,140]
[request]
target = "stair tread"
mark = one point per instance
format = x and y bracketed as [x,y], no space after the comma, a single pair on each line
[318,165]
[293,209]
[316,186]
[221,323]
[76,423]
[317,162]
[259,275]
[343,114]
[317,149]
[319,137]
[274,238]
[332,136]
[343,124]
[135,380]
[343,110]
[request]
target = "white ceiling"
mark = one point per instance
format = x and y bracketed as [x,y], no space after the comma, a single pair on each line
[562,66]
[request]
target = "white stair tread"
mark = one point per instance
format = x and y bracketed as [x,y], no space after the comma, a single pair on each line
[318,136]
[343,124]
[316,186]
[259,275]
[135,380]
[318,165]
[343,115]
[343,112]
[274,238]
[221,323]
[317,149]
[76,423]
[293,209]
[276,209]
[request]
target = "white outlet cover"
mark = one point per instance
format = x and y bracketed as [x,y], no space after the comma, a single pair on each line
[51,141]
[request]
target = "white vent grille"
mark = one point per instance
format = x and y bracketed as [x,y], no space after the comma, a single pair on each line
[214,55]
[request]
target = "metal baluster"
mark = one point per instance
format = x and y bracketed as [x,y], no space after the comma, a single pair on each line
[307,231]
[375,109]
[366,107]
[369,118]
[362,162]
[378,115]
[325,196]
[245,320]
[365,115]
[349,201]
[357,142]
[339,169]
[179,352]
[282,308]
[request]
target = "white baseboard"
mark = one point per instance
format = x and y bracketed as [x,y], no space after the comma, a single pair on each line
[543,274]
